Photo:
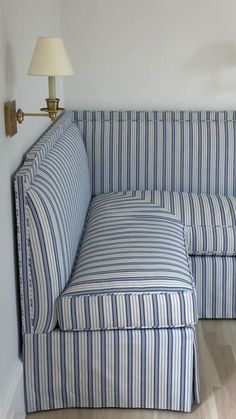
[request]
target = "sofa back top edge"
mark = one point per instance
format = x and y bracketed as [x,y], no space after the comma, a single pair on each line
[156,115]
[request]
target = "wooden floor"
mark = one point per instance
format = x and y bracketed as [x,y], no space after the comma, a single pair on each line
[217,355]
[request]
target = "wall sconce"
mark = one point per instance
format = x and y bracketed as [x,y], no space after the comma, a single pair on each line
[49,59]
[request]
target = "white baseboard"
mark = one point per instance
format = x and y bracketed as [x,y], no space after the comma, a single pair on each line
[12,401]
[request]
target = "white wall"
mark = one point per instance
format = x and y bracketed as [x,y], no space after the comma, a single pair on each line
[136,54]
[20,24]
[146,54]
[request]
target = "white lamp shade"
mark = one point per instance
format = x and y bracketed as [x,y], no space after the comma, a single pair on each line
[50,58]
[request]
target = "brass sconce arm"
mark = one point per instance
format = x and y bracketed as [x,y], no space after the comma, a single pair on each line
[51,111]
[12,116]
[20,115]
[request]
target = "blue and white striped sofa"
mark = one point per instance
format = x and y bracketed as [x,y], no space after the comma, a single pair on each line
[186,162]
[108,299]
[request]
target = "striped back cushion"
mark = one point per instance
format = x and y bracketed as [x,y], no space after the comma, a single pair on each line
[173,151]
[53,195]
[210,220]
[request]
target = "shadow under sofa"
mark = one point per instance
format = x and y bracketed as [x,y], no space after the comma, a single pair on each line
[108,299]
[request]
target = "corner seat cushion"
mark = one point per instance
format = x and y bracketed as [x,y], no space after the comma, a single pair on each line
[210,220]
[132,270]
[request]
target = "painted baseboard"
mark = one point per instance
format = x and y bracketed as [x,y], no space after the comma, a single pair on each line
[12,403]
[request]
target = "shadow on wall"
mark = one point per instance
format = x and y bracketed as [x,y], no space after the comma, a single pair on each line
[10,75]
[10,81]
[16,269]
[216,64]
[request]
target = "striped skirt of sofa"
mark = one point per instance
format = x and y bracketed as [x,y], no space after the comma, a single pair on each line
[215,279]
[110,369]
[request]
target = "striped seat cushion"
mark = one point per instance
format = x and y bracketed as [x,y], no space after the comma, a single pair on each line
[132,270]
[210,220]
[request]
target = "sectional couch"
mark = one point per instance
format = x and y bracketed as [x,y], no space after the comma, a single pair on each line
[187,163]
[108,211]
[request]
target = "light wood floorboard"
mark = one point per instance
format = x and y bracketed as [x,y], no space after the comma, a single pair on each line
[217,357]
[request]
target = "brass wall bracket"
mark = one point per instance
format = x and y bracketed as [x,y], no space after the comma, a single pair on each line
[12,117]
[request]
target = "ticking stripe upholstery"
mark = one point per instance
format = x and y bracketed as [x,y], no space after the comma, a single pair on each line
[215,278]
[154,369]
[53,196]
[210,220]
[132,270]
[191,152]
[173,151]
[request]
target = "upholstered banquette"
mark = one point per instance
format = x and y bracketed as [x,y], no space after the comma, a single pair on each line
[187,163]
[108,298]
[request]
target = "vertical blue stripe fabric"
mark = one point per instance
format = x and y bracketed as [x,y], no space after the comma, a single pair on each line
[133,261]
[210,220]
[112,369]
[150,367]
[23,179]
[190,152]
[173,151]
[52,207]
[215,286]
[183,162]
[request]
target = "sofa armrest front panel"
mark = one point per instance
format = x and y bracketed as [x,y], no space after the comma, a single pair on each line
[53,195]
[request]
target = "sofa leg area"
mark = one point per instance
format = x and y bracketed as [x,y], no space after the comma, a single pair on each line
[149,369]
